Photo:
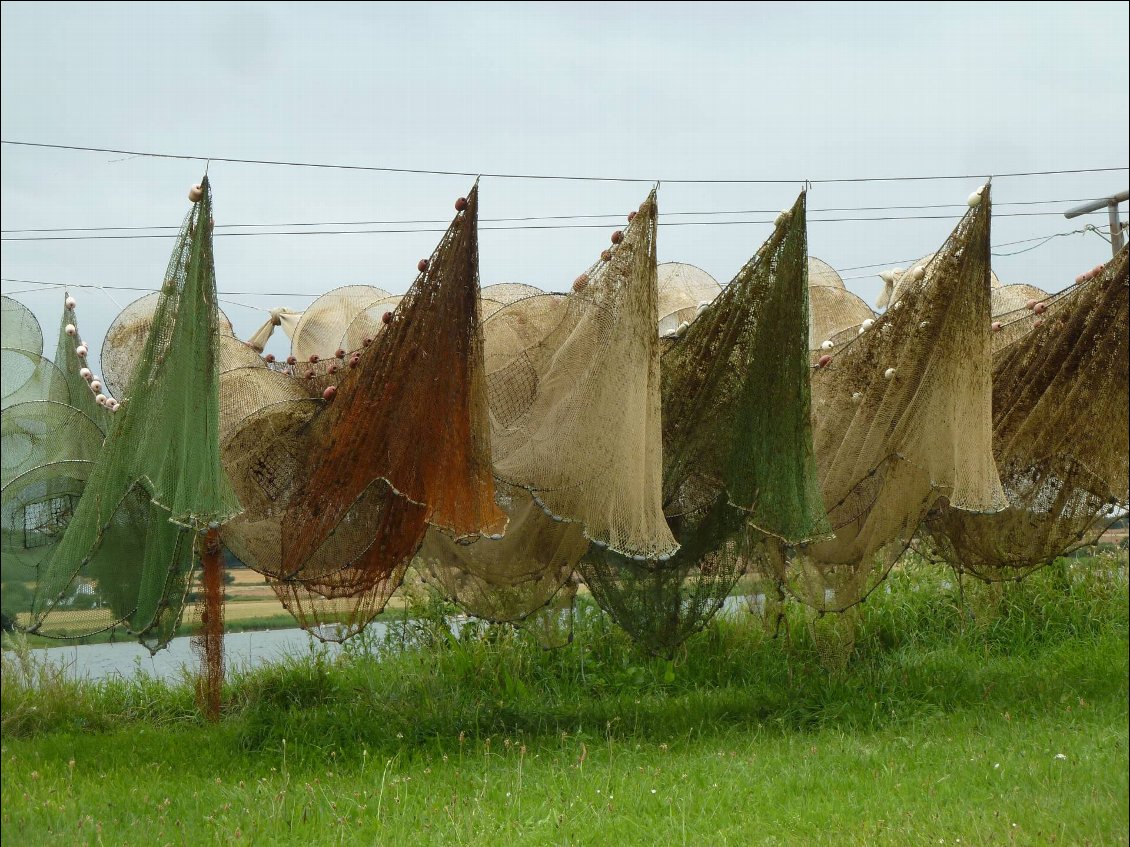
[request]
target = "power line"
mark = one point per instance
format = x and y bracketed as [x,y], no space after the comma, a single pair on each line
[1043,239]
[546,217]
[308,232]
[573,178]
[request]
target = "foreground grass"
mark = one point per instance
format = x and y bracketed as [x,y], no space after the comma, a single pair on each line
[1007,725]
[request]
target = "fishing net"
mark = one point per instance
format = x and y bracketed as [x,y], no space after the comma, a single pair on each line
[127,551]
[833,311]
[126,340]
[26,376]
[896,280]
[509,292]
[575,418]
[821,274]
[902,416]
[507,578]
[1010,298]
[19,328]
[739,474]
[48,451]
[83,386]
[322,326]
[340,490]
[278,316]
[1060,400]
[684,291]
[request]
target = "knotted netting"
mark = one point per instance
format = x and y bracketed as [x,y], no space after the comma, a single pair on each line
[684,291]
[320,329]
[1060,430]
[157,482]
[49,448]
[739,473]
[511,577]
[126,340]
[902,416]
[834,310]
[1010,298]
[340,488]
[575,417]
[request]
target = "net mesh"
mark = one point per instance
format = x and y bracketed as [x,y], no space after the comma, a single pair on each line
[1065,476]
[80,392]
[834,311]
[902,417]
[1010,298]
[684,290]
[575,418]
[338,492]
[739,475]
[127,338]
[128,547]
[321,328]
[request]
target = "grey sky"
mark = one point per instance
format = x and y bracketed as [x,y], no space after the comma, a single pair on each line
[655,91]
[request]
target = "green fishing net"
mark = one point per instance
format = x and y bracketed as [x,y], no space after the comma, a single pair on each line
[126,555]
[739,474]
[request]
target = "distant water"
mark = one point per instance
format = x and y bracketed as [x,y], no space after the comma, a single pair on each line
[128,658]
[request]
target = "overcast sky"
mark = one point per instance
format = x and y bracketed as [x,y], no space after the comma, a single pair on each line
[657,91]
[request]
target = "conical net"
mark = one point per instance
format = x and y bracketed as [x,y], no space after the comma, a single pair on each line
[340,490]
[739,473]
[1060,400]
[902,417]
[157,482]
[575,418]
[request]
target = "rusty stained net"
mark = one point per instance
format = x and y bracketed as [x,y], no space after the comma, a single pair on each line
[902,416]
[342,487]
[1060,399]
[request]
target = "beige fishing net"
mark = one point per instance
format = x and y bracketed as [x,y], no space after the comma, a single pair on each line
[1060,430]
[1010,298]
[902,416]
[684,291]
[322,326]
[821,274]
[833,311]
[509,292]
[575,418]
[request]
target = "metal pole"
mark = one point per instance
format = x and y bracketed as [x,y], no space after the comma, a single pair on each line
[1111,204]
[1115,228]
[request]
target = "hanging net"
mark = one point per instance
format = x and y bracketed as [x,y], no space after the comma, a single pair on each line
[739,474]
[576,417]
[128,547]
[902,416]
[834,310]
[684,291]
[339,491]
[19,328]
[821,274]
[509,292]
[320,329]
[126,340]
[82,385]
[1010,298]
[897,280]
[1060,399]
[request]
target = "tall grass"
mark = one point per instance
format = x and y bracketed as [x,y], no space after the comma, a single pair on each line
[922,645]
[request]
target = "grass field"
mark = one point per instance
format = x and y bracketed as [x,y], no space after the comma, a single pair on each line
[997,717]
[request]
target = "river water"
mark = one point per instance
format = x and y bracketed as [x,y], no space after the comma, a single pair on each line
[128,658]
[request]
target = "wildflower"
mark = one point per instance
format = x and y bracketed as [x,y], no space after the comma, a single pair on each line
[1060,756]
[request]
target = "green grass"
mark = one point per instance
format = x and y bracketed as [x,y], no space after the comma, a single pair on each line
[947,721]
